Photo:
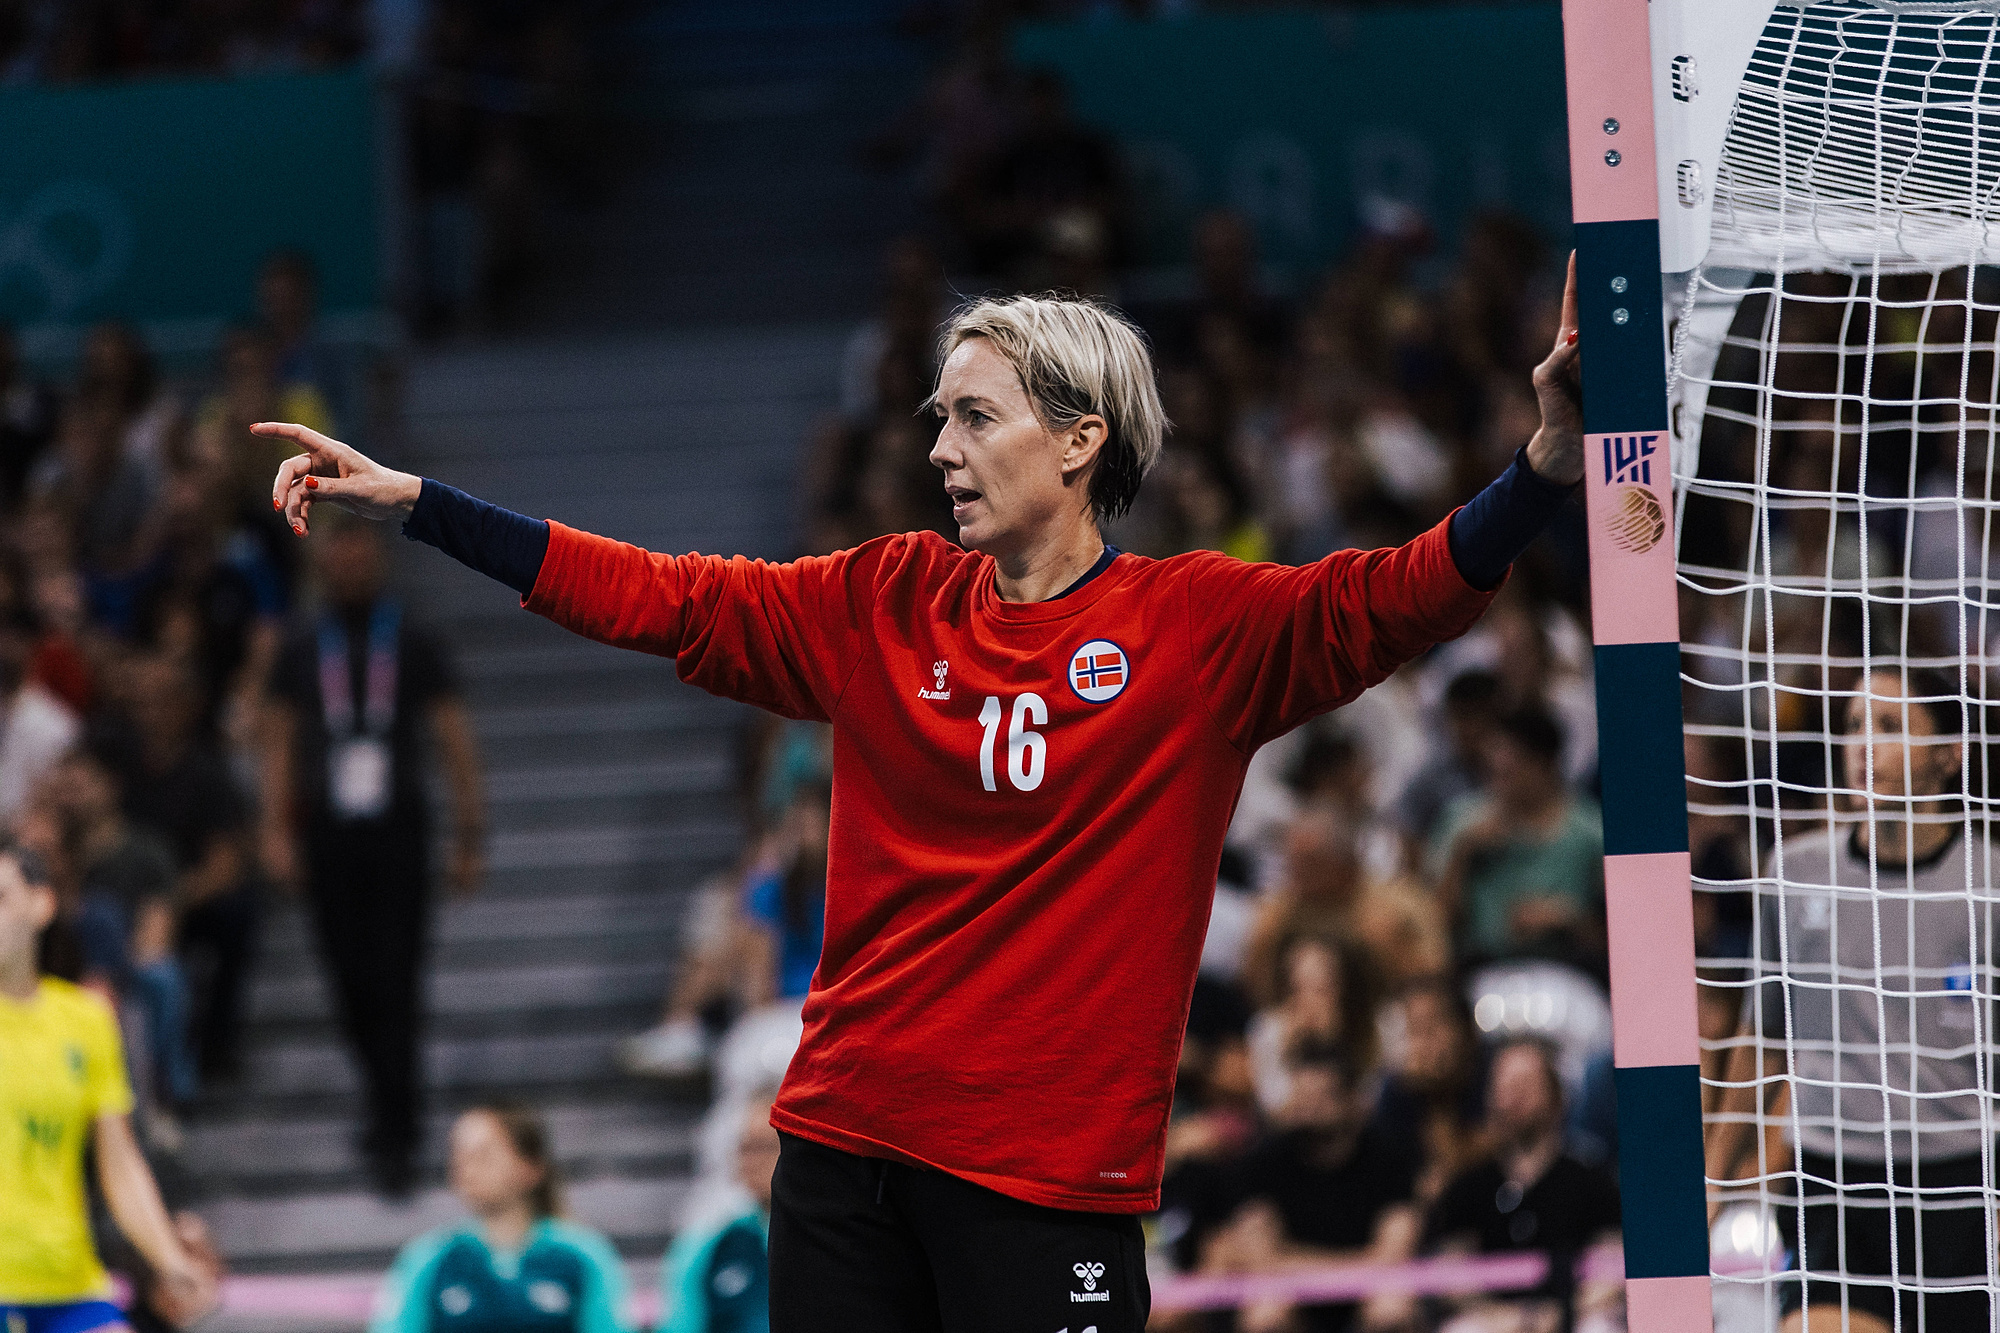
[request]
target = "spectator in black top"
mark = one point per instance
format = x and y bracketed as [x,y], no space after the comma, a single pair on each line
[1324,1188]
[175,784]
[127,919]
[1456,765]
[1530,1195]
[1431,1104]
[27,420]
[1054,176]
[346,815]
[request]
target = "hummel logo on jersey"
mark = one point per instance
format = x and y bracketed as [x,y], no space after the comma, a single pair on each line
[1089,1273]
[937,670]
[1098,671]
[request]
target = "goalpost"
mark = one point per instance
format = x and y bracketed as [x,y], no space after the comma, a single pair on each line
[1792,514]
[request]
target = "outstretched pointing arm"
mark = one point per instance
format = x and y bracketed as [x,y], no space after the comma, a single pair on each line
[783,637]
[495,541]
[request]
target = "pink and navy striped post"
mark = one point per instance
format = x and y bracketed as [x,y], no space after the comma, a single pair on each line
[1629,499]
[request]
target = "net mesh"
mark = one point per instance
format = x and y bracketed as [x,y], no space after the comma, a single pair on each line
[1834,386]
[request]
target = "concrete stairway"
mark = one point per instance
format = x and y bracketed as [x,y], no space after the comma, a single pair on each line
[609,786]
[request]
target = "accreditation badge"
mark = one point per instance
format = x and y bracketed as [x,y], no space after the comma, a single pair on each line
[358,777]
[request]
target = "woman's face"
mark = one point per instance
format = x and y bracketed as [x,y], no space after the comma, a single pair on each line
[1009,476]
[1312,985]
[25,911]
[486,1172]
[1433,1040]
[1899,741]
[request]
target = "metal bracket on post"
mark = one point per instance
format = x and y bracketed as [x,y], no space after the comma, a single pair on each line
[1628,484]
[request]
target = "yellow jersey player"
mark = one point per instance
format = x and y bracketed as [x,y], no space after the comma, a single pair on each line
[63,1090]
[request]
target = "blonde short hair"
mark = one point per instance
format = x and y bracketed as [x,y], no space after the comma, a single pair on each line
[1077,358]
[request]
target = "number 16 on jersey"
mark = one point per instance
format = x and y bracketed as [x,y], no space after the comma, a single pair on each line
[1027,751]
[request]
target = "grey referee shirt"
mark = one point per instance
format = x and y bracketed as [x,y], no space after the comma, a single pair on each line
[1877,982]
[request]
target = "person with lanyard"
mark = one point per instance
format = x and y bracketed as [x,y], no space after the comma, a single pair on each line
[64,1094]
[353,695]
[515,1266]
[1038,746]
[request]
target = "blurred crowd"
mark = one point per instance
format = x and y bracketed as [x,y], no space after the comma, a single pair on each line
[501,110]
[175,738]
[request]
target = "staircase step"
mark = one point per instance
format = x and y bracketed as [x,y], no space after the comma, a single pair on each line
[318,1152]
[350,1228]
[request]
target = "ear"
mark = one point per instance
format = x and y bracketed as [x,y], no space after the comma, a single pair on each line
[41,905]
[1082,443]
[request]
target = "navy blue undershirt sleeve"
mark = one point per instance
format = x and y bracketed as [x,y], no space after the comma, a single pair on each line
[497,542]
[1492,530]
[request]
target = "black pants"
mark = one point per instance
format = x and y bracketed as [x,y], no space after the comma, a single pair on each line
[1856,1246]
[859,1243]
[371,914]
[218,941]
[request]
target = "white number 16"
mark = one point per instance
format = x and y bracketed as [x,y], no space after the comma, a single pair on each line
[1027,751]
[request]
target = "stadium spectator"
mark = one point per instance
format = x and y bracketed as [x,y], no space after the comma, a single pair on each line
[57,663]
[214,602]
[104,498]
[1529,1195]
[1456,765]
[914,302]
[128,920]
[28,410]
[1520,864]
[1230,293]
[1869,1132]
[1052,185]
[288,309]
[763,953]
[1212,1124]
[717,1278]
[176,785]
[1325,889]
[118,368]
[66,1098]
[1433,1098]
[1322,1189]
[346,815]
[249,389]
[516,1266]
[1318,989]
[35,726]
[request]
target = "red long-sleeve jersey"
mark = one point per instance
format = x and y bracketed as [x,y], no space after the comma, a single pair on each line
[1029,803]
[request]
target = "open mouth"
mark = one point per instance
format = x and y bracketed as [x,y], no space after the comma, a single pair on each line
[961,497]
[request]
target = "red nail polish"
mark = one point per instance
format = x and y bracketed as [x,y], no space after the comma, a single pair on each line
[299,528]
[1571,340]
[312,483]
[276,503]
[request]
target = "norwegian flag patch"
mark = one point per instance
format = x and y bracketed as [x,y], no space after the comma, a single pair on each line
[1098,671]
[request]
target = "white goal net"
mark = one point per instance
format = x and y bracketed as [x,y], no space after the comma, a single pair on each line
[1834,386]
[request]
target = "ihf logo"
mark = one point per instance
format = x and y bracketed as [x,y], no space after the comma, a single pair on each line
[1633,518]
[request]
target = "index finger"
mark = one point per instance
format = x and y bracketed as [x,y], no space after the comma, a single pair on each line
[1569,296]
[304,436]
